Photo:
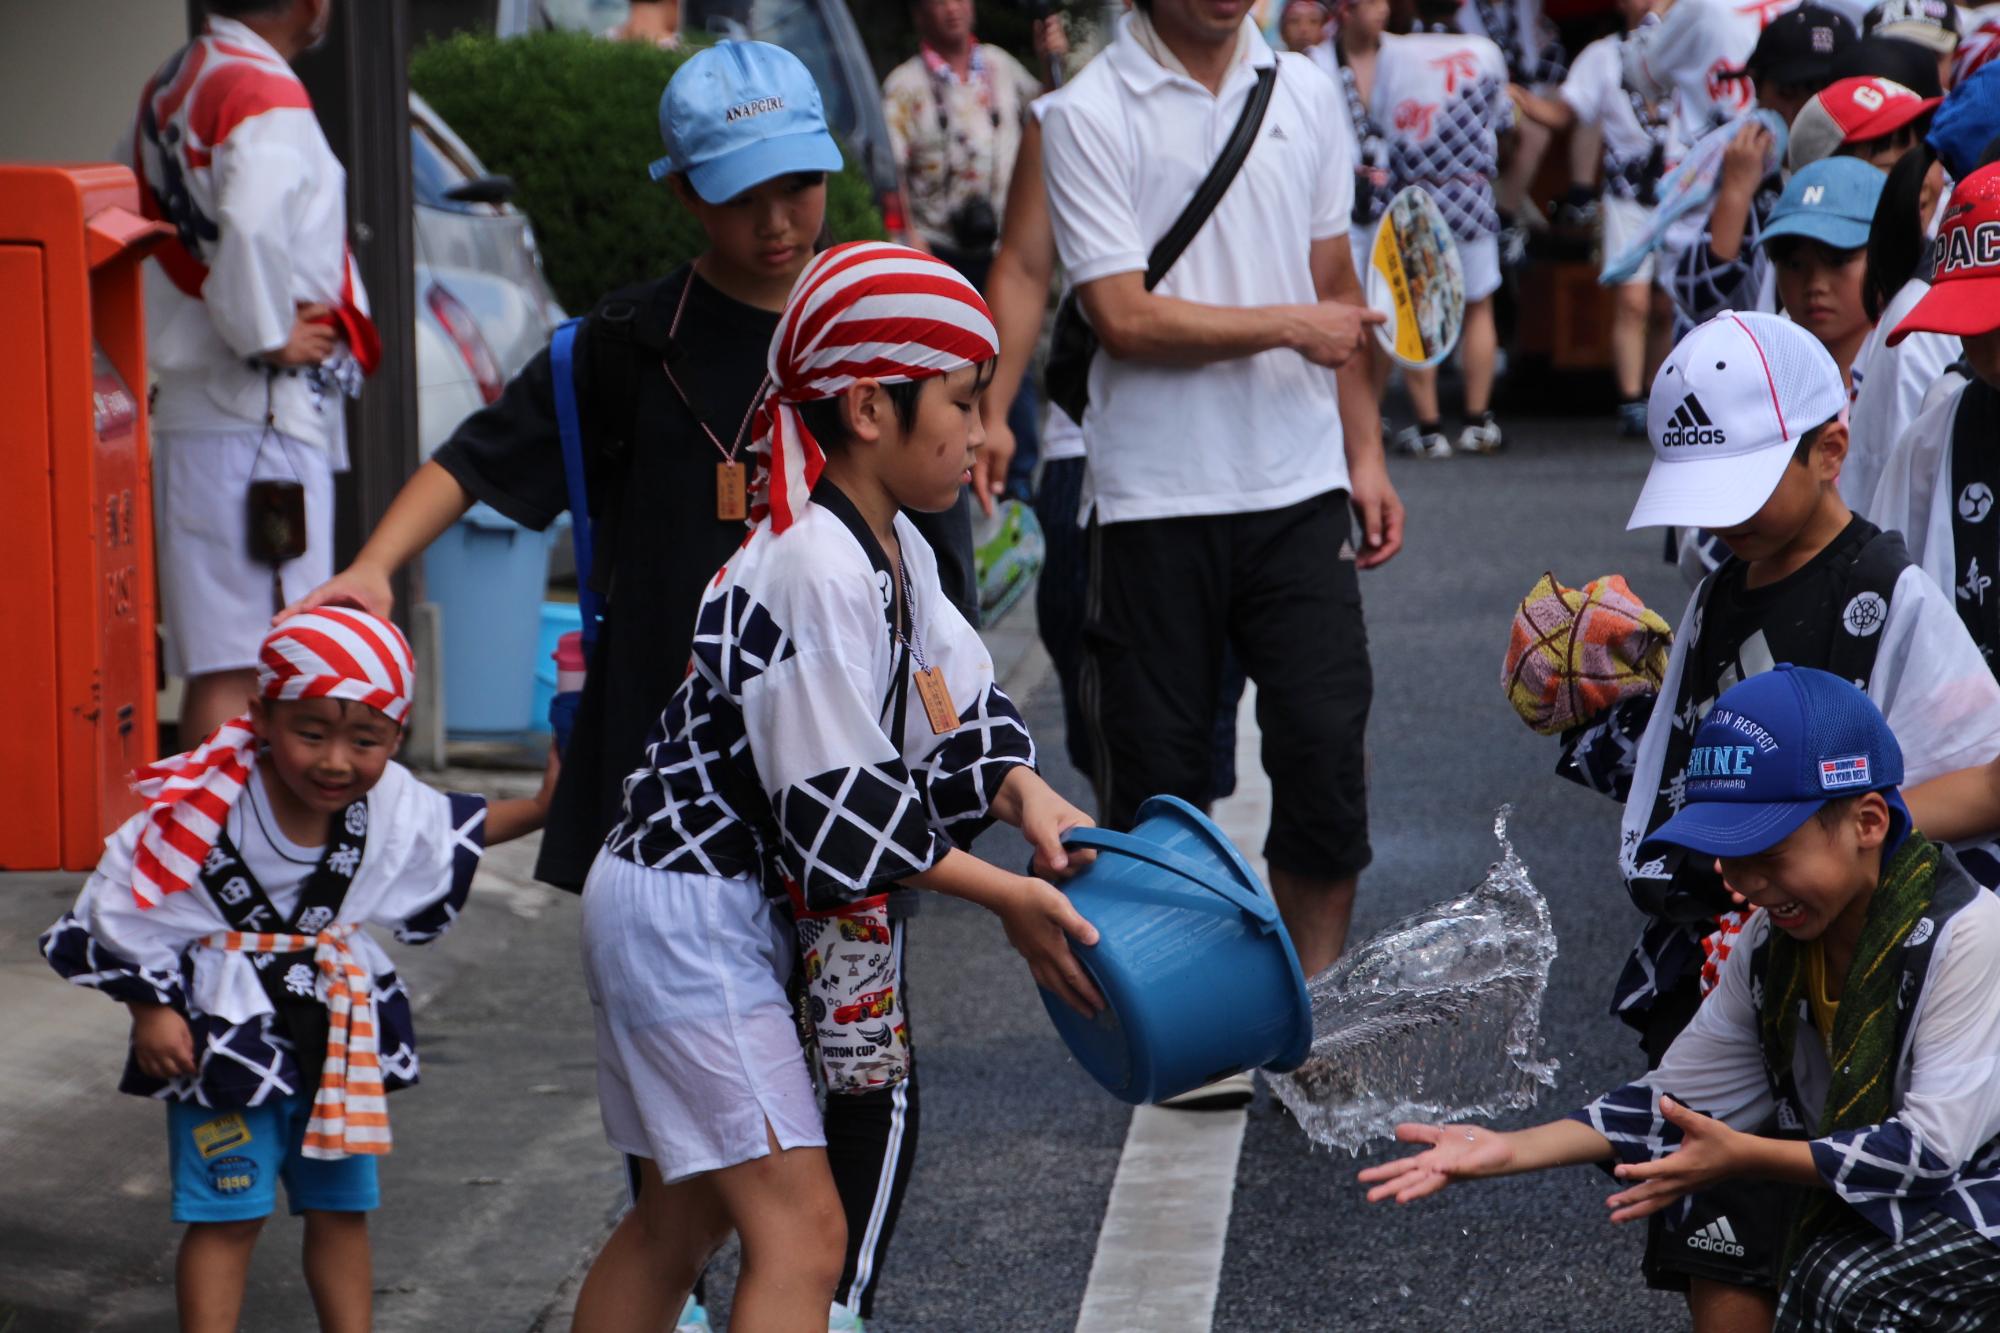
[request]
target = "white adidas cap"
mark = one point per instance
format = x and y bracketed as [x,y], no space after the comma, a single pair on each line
[1727,412]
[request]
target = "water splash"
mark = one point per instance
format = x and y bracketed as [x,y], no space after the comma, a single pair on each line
[1437,1017]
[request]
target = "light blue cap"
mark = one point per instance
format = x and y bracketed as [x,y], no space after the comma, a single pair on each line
[1831,201]
[739,114]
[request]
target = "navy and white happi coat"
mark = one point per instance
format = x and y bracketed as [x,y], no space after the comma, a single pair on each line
[777,756]
[1938,1154]
[419,851]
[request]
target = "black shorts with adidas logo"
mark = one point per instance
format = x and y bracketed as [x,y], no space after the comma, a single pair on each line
[1734,1233]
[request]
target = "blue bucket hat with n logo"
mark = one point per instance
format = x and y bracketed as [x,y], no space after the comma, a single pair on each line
[739,114]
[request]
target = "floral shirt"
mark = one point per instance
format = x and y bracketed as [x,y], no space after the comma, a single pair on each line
[955,139]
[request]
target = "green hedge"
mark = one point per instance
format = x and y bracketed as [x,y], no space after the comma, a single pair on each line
[575,121]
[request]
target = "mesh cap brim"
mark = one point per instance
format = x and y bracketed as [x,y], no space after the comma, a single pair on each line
[1731,828]
[1710,492]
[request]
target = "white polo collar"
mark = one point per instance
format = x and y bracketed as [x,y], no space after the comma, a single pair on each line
[1142,73]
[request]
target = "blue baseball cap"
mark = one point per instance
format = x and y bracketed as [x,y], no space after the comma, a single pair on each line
[1776,748]
[1966,122]
[739,114]
[1831,201]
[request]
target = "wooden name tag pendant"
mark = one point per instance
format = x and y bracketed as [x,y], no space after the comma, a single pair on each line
[937,701]
[731,492]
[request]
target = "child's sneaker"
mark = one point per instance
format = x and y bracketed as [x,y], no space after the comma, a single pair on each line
[1420,443]
[1632,420]
[841,1319]
[694,1319]
[1008,552]
[1482,436]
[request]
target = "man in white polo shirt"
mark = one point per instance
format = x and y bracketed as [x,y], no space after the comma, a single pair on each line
[1223,459]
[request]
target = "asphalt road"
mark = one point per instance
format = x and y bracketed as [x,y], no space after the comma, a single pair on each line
[501,1186]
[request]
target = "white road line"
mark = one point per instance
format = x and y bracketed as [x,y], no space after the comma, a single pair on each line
[1159,1254]
[1159,1251]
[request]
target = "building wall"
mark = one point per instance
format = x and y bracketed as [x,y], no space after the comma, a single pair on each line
[70,73]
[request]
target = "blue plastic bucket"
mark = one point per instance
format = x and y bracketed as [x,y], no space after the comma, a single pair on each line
[558,618]
[487,575]
[1199,978]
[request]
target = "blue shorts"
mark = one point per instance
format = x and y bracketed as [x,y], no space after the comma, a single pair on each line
[226,1164]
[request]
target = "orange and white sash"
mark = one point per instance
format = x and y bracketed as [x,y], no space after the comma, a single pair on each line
[350,1115]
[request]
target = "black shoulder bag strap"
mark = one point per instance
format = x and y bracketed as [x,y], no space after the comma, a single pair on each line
[1072,344]
[248,909]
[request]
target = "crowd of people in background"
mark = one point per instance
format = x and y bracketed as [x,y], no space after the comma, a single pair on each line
[1798,215]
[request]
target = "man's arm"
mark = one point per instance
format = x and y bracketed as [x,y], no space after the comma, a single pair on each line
[1375,500]
[430,501]
[1017,292]
[1134,324]
[1091,182]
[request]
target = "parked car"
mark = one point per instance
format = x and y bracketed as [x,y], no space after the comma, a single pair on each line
[483,306]
[821,33]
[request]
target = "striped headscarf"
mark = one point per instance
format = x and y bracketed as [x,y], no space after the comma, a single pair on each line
[864,310]
[331,653]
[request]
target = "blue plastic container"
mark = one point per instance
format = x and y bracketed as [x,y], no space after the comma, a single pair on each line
[487,574]
[558,618]
[1199,978]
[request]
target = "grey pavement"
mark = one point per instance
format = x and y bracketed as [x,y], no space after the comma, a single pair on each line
[501,1187]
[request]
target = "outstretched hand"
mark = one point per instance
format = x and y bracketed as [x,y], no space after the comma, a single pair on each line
[1457,1152]
[1708,1153]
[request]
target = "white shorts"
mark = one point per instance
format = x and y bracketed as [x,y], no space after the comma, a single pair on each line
[1480,260]
[1625,221]
[697,1050]
[215,600]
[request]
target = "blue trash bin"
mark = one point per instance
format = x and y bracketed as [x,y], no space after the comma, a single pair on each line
[1199,977]
[487,575]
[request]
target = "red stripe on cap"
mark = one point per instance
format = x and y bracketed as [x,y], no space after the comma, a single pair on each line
[1769,382]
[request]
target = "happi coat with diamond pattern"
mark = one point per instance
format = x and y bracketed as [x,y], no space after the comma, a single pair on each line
[796,750]
[420,848]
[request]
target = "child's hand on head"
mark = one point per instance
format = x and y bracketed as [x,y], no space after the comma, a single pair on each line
[1707,1154]
[1457,1152]
[161,1042]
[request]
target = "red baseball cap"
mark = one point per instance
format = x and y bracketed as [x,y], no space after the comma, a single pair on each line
[1852,111]
[1965,291]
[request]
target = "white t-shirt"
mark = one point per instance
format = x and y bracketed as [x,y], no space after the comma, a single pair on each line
[1125,144]
[1441,99]
[1889,388]
[1596,92]
[279,864]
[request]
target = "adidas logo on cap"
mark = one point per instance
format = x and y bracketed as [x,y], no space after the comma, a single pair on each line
[1690,426]
[1718,1237]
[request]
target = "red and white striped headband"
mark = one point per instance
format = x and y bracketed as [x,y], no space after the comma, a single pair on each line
[864,310]
[331,653]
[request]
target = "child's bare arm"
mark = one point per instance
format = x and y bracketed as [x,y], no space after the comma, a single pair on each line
[1039,920]
[1709,1152]
[1955,806]
[161,1040]
[1026,801]
[1472,1152]
[520,815]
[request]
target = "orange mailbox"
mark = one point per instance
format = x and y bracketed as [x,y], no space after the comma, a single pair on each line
[76,531]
